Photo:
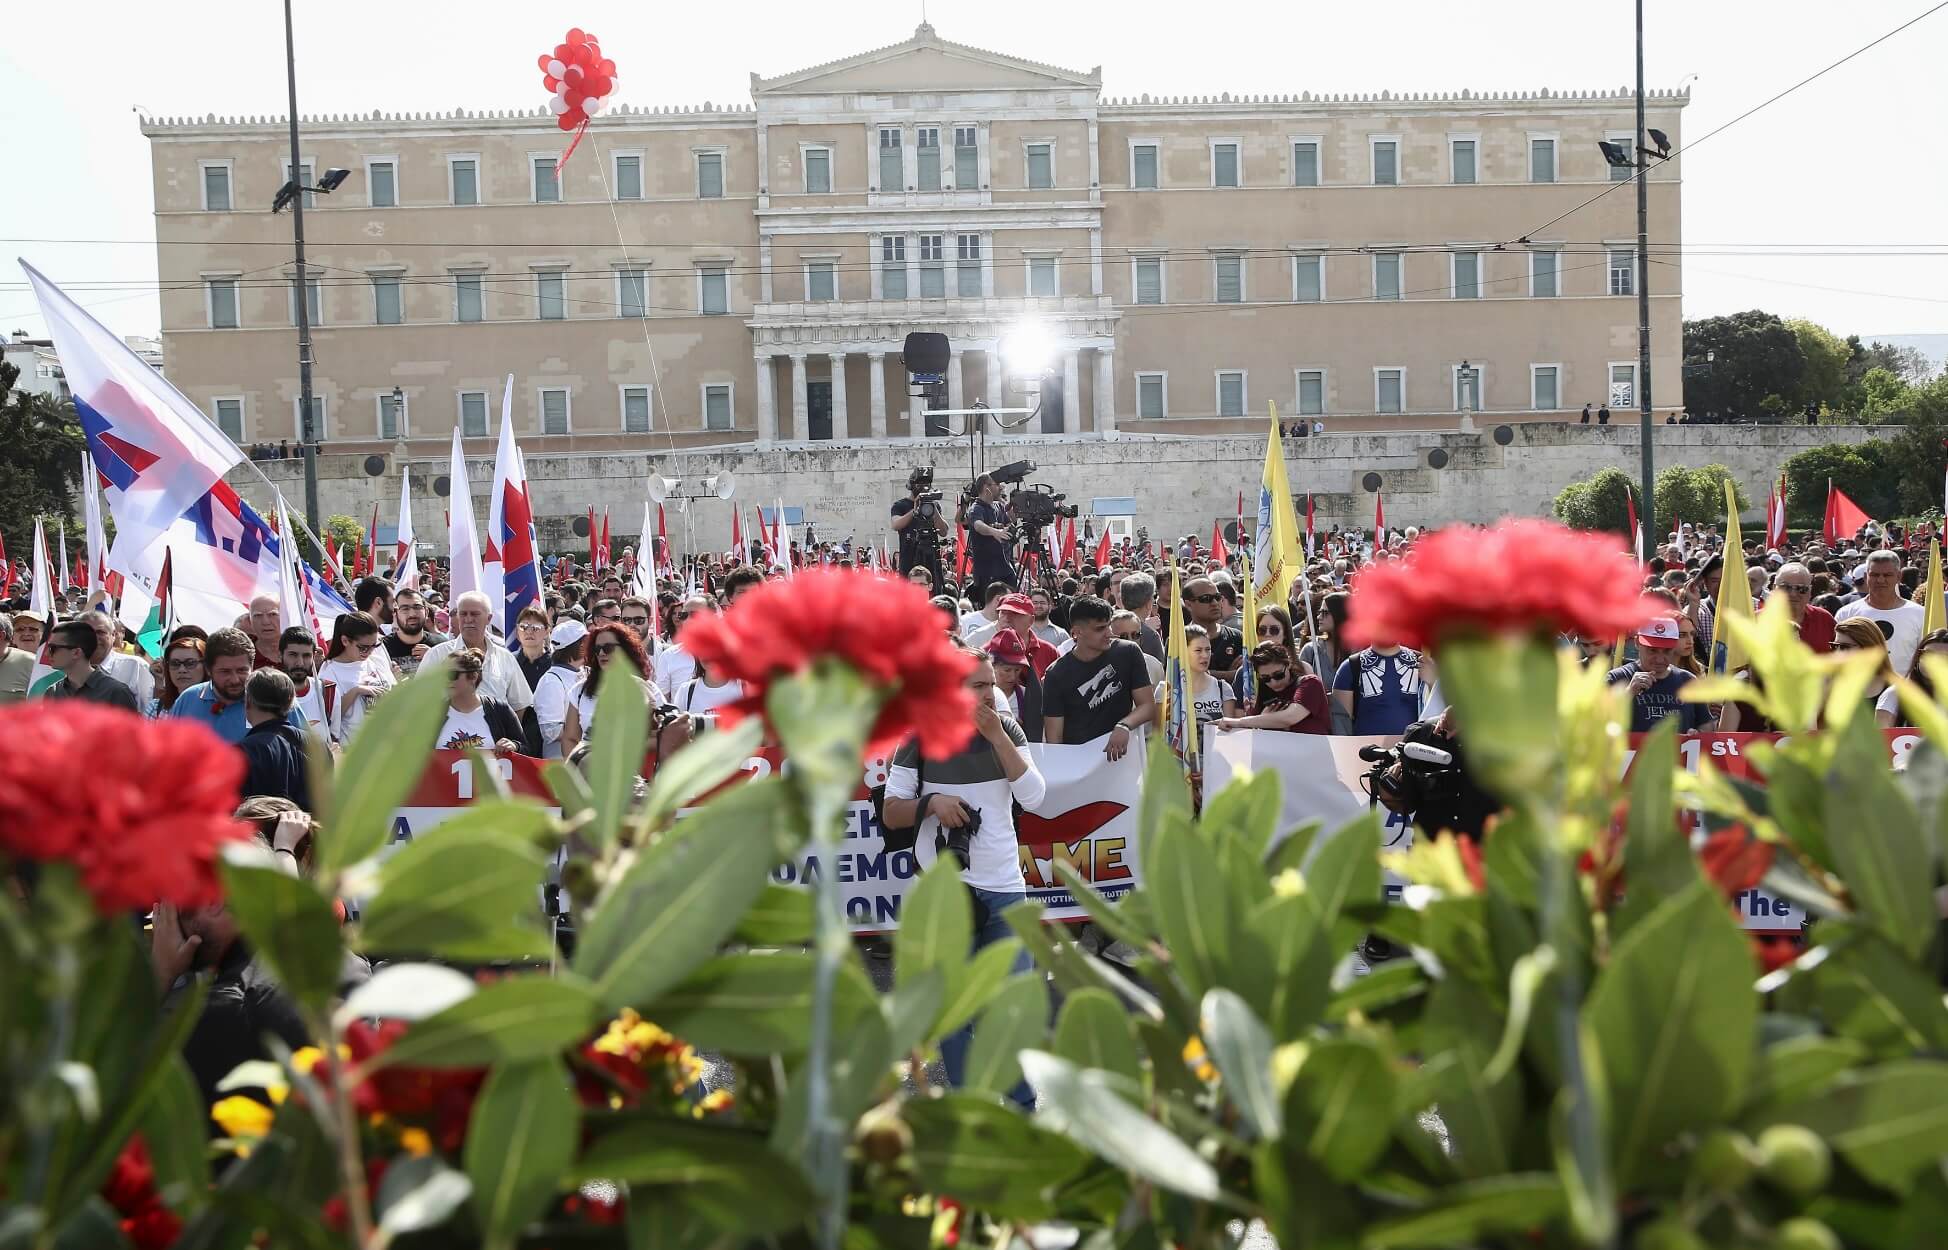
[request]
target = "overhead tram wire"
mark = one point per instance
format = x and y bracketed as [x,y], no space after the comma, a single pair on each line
[1645,168]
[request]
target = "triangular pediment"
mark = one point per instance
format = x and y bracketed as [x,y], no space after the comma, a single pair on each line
[927,63]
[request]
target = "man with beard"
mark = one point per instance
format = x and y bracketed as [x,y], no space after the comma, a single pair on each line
[297,655]
[410,638]
[219,702]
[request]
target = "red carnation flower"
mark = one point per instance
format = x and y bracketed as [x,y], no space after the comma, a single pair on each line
[1519,577]
[142,808]
[886,630]
[131,1190]
[1735,860]
[440,1098]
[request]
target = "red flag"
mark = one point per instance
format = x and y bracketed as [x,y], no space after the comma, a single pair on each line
[1068,546]
[1102,552]
[372,545]
[331,558]
[737,537]
[961,553]
[1775,516]
[6,571]
[1308,525]
[1218,554]
[1379,521]
[593,539]
[608,558]
[1843,516]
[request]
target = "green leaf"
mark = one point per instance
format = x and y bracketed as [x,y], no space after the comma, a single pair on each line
[1871,992]
[936,923]
[1675,1015]
[570,789]
[1284,966]
[912,1009]
[757,1004]
[290,925]
[406,992]
[381,767]
[1015,1020]
[1392,982]
[989,1155]
[174,1127]
[1246,812]
[1345,868]
[1086,1108]
[1242,1049]
[418,1194]
[1120,920]
[857,1077]
[682,898]
[1891,874]
[1888,1122]
[1165,790]
[522,1138]
[781,916]
[1791,1070]
[726,1173]
[1657,857]
[973,982]
[1340,1106]
[1093,1031]
[464,890]
[94,1225]
[615,755]
[508,1021]
[1191,903]
[699,768]
[1466,1213]
[1483,1117]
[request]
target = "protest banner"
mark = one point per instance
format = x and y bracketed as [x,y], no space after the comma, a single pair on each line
[448,787]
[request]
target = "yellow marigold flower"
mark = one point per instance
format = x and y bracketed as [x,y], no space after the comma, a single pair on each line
[306,1058]
[1200,1064]
[715,1102]
[1288,884]
[416,1142]
[242,1118]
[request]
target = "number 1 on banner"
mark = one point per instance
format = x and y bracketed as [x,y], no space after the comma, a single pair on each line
[463,775]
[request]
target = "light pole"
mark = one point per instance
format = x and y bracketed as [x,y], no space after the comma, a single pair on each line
[307,431]
[1649,425]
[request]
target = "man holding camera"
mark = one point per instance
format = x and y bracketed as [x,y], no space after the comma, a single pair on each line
[918,522]
[964,806]
[989,539]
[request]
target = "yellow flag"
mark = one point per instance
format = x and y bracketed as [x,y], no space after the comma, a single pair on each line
[1250,629]
[1937,613]
[1275,549]
[1734,590]
[1179,704]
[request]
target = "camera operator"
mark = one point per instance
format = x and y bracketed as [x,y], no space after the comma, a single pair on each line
[963,806]
[1426,779]
[989,539]
[918,522]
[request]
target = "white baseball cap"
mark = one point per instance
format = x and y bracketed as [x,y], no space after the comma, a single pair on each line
[1660,632]
[567,634]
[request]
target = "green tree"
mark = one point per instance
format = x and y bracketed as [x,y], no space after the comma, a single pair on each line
[1863,470]
[1597,502]
[1695,494]
[1753,355]
[1917,458]
[345,533]
[1824,383]
[1882,394]
[40,459]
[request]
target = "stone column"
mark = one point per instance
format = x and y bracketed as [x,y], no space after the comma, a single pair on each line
[876,362]
[800,410]
[1071,391]
[839,428]
[1106,392]
[916,419]
[954,389]
[767,408]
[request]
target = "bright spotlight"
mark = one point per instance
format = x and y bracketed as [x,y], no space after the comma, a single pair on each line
[1028,350]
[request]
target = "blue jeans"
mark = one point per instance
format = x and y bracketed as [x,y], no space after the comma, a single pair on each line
[989,928]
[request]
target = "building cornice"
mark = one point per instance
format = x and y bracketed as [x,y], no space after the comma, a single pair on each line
[495,121]
[923,36]
[1392,100]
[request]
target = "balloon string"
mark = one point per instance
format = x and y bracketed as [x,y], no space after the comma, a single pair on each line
[579,132]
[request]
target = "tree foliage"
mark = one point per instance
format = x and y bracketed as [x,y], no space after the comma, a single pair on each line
[1695,494]
[1753,355]
[40,459]
[345,533]
[1824,383]
[1862,470]
[1597,502]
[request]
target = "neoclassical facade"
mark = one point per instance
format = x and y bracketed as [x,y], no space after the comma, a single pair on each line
[721,275]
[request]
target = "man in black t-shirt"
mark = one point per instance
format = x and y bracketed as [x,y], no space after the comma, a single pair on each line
[1101,687]
[919,528]
[1204,605]
[988,539]
[410,639]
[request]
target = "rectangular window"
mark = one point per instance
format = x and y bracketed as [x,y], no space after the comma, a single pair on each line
[933,269]
[1149,279]
[223,303]
[710,175]
[229,419]
[1224,164]
[1623,386]
[926,142]
[967,158]
[1230,284]
[318,413]
[468,301]
[1386,162]
[1150,395]
[473,414]
[1143,167]
[382,184]
[1462,154]
[1041,277]
[554,410]
[892,268]
[818,171]
[1467,275]
[1231,393]
[1542,275]
[635,410]
[1312,392]
[216,188]
[1305,163]
[1628,142]
[1545,394]
[1041,166]
[1467,389]
[391,414]
[1386,275]
[388,308]
[547,180]
[465,175]
[715,300]
[967,267]
[632,292]
[304,179]
[1623,271]
[629,177]
[821,281]
[312,306]
[1542,160]
[1389,390]
[550,295]
[717,407]
[1308,279]
[892,167]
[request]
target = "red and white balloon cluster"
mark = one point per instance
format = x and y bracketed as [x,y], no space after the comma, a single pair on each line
[580,78]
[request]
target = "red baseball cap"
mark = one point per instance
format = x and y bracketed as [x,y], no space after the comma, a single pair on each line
[1018,602]
[1660,632]
[1006,648]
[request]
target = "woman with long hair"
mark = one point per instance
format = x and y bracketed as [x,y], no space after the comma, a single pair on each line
[1275,625]
[609,644]
[1888,711]
[1286,699]
[1687,646]
[182,666]
[355,671]
[1328,647]
[1861,634]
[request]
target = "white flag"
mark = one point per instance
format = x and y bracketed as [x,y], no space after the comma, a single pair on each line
[42,603]
[463,541]
[405,566]
[643,584]
[91,518]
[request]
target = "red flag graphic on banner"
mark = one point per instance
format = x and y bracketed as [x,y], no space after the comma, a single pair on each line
[1308,525]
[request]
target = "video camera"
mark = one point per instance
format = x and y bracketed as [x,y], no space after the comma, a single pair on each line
[920,483]
[1036,507]
[1424,777]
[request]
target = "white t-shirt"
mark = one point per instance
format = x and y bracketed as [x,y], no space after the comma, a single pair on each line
[703,700]
[977,620]
[311,706]
[976,778]
[500,676]
[673,666]
[585,706]
[134,672]
[558,687]
[1207,696]
[348,706]
[1906,620]
[465,729]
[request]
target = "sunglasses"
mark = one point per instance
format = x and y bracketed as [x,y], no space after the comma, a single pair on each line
[530,625]
[1279,678]
[186,665]
[365,648]
[1213,598]
[636,622]
[604,648]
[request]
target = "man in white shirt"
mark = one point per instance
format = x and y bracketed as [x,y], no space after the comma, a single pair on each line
[1902,620]
[674,666]
[556,692]
[501,678]
[988,617]
[132,671]
[297,655]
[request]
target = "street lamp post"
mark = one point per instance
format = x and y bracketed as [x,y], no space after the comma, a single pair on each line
[1648,422]
[307,429]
